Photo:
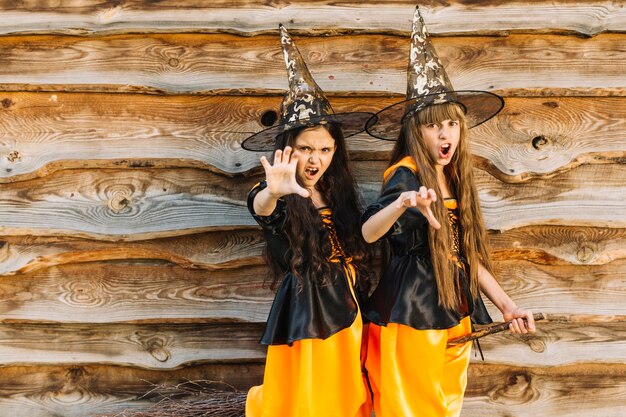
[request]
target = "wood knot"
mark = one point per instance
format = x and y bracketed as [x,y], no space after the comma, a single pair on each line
[160,354]
[269,118]
[4,250]
[518,389]
[551,104]
[14,156]
[7,102]
[173,62]
[537,345]
[75,374]
[155,345]
[585,253]
[540,142]
[119,202]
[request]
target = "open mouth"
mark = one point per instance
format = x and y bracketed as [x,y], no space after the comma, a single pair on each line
[444,150]
[311,172]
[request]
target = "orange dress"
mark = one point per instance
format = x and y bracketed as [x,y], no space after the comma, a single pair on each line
[314,377]
[411,371]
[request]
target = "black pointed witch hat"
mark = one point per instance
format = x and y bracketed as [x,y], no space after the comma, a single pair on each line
[428,84]
[304,104]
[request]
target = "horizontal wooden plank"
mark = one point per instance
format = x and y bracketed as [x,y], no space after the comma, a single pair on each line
[79,391]
[250,17]
[588,195]
[186,63]
[144,204]
[151,346]
[551,245]
[101,292]
[125,204]
[170,346]
[542,137]
[211,250]
[493,390]
[559,245]
[571,289]
[558,343]
[41,133]
[546,245]
[509,391]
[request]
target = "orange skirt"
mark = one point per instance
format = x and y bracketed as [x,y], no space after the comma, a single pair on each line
[413,374]
[313,378]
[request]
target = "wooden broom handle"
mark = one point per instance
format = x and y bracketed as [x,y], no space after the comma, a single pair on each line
[487,330]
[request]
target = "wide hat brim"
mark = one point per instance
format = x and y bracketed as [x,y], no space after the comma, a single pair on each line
[479,107]
[351,124]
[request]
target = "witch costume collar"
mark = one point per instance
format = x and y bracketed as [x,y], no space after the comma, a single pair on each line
[428,84]
[304,104]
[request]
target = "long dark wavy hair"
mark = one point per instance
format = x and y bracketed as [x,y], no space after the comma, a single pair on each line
[459,173]
[308,240]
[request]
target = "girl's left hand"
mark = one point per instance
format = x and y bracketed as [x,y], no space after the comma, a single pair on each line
[518,325]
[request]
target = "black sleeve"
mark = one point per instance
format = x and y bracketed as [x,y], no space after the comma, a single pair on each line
[273,223]
[403,179]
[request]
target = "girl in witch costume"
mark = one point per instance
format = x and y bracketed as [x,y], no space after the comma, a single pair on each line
[438,263]
[309,211]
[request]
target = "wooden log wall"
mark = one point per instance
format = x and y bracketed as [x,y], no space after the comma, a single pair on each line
[127,256]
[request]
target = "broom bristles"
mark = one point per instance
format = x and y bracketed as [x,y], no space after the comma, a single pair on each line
[191,399]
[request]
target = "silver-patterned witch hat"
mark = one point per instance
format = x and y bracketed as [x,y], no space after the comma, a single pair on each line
[304,104]
[429,84]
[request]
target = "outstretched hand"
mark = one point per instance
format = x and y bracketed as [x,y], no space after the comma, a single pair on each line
[281,177]
[421,200]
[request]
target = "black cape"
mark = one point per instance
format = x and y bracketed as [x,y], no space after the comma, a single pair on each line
[407,291]
[308,310]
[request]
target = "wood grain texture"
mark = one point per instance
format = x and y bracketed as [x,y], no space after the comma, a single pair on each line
[211,251]
[542,137]
[79,391]
[41,133]
[150,346]
[558,343]
[171,346]
[571,289]
[544,245]
[102,292]
[560,245]
[143,204]
[126,205]
[493,390]
[603,204]
[186,63]
[87,17]
[572,391]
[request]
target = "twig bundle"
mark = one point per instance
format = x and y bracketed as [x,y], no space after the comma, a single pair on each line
[191,399]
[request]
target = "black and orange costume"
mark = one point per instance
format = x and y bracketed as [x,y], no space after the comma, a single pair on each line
[313,365]
[408,362]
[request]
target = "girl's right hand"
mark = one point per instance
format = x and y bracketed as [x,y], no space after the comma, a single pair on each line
[421,200]
[281,177]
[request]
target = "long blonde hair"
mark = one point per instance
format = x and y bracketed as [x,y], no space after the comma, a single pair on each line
[459,173]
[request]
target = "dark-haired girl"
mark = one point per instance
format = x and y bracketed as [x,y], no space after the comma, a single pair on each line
[309,210]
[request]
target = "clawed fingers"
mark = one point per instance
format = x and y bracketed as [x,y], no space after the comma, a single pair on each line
[431,219]
[423,192]
[432,194]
